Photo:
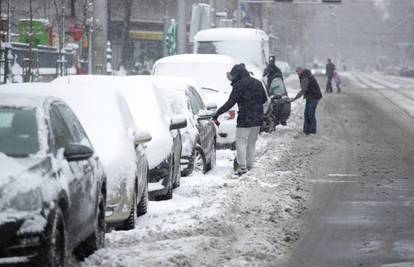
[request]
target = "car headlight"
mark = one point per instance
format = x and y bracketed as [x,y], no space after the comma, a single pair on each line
[28,201]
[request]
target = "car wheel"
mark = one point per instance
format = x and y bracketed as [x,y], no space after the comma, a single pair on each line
[97,239]
[169,194]
[213,158]
[177,180]
[143,203]
[130,222]
[54,248]
[200,162]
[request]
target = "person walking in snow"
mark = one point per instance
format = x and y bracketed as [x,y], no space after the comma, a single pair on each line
[329,71]
[311,92]
[248,93]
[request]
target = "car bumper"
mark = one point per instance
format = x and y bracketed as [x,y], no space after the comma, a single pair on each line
[159,180]
[226,134]
[18,249]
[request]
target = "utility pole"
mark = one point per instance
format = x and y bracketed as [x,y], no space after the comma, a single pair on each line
[239,13]
[182,26]
[28,76]
[100,36]
[7,46]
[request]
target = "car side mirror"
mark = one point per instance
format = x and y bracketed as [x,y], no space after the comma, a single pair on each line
[211,106]
[178,123]
[76,152]
[204,115]
[142,137]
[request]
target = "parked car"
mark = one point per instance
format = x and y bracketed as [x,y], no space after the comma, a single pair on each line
[52,185]
[318,69]
[209,72]
[120,144]
[199,137]
[123,158]
[150,111]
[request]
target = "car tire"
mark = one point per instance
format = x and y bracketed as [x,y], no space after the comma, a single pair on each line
[143,203]
[213,158]
[97,239]
[129,223]
[54,248]
[169,194]
[177,180]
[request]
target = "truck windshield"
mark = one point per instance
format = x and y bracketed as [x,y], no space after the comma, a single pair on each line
[18,132]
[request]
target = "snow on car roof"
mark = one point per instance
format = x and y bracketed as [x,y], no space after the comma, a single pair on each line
[18,100]
[208,71]
[227,34]
[198,58]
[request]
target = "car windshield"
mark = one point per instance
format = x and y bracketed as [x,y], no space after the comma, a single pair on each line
[18,132]
[236,49]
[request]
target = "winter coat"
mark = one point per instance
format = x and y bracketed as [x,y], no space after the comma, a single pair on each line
[330,69]
[249,95]
[272,72]
[312,89]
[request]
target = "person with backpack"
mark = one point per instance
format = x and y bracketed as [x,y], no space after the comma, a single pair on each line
[311,92]
[249,94]
[278,94]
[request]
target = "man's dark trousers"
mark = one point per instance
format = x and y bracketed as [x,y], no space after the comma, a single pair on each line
[329,84]
[309,126]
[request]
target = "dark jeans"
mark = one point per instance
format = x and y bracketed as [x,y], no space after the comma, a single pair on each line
[309,126]
[329,85]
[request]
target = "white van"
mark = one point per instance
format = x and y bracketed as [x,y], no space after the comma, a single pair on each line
[250,46]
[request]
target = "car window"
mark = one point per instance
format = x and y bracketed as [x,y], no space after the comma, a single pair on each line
[76,131]
[60,131]
[198,98]
[192,102]
[19,134]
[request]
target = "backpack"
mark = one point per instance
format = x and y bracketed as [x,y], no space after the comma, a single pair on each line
[277,88]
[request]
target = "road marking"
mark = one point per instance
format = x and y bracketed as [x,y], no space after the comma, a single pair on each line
[344,175]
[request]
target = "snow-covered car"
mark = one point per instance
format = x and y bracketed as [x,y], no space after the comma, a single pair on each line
[199,137]
[209,72]
[149,110]
[119,143]
[250,46]
[52,184]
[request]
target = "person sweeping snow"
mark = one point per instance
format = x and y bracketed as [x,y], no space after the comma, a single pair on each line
[248,93]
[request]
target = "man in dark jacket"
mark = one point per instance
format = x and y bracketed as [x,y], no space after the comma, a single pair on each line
[329,71]
[248,93]
[310,91]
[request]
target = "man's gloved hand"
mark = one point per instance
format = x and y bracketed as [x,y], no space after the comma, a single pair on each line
[215,119]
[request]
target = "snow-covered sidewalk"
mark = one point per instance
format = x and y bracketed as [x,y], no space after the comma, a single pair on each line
[218,220]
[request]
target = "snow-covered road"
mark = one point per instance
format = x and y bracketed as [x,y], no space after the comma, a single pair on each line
[398,90]
[217,219]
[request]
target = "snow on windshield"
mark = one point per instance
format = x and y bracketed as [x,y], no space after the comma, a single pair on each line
[149,113]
